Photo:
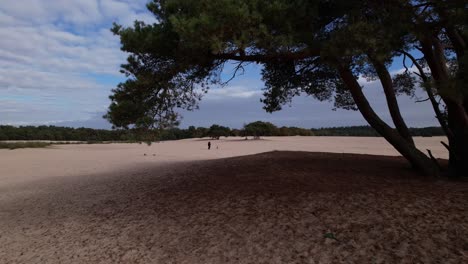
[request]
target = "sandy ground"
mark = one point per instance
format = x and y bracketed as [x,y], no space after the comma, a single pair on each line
[112,204]
[24,165]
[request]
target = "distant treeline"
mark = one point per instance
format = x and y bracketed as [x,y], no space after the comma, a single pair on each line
[63,134]
[367,131]
[254,129]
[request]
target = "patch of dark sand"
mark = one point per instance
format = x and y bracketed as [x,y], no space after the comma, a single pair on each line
[276,207]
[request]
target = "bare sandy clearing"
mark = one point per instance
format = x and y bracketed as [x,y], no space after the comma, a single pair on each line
[23,165]
[109,203]
[274,207]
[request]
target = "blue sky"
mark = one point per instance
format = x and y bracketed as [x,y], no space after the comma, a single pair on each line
[59,62]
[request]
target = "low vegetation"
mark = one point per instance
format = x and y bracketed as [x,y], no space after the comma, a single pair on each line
[55,133]
[17,145]
[367,131]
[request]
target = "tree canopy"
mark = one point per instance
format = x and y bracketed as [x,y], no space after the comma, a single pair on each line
[259,129]
[174,61]
[217,131]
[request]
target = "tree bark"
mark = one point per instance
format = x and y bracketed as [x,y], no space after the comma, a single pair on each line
[418,159]
[457,113]
[392,103]
[458,161]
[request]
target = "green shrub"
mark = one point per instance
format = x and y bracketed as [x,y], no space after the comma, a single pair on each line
[17,145]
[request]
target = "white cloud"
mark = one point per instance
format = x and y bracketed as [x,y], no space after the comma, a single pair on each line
[61,56]
[80,12]
[232,92]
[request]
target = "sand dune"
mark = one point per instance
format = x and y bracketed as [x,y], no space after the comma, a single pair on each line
[112,204]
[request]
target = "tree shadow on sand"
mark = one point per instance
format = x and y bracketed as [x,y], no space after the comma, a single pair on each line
[273,207]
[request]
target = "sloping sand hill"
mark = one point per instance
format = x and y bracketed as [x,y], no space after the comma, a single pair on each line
[274,207]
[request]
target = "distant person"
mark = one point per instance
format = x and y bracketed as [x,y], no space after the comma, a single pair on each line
[209,145]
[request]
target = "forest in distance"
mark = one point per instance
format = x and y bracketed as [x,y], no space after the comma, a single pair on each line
[254,129]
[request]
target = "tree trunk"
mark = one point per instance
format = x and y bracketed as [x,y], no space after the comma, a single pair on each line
[417,159]
[457,114]
[392,102]
[458,161]
[439,116]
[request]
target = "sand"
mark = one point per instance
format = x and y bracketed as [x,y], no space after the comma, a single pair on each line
[24,165]
[112,204]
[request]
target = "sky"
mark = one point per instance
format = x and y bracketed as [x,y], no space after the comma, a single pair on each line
[59,62]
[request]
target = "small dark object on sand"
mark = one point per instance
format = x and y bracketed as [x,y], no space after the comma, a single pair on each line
[331,236]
